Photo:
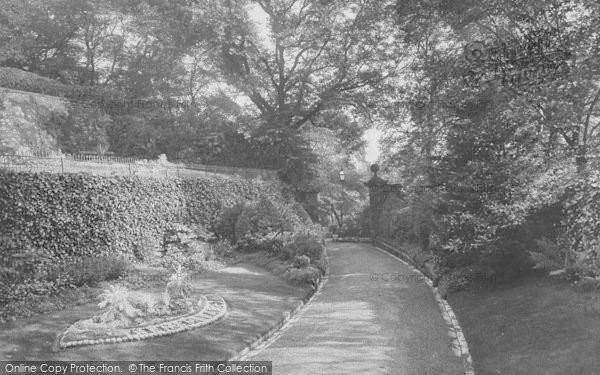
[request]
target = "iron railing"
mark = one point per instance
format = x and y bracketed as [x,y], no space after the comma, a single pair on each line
[118,166]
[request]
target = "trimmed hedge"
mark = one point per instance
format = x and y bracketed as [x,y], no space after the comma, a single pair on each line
[75,215]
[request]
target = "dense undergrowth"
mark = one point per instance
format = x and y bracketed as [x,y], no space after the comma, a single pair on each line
[468,237]
[63,232]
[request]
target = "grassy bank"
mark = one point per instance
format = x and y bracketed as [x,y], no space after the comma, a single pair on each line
[534,325]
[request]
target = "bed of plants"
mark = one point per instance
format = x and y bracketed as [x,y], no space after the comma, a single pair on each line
[278,236]
[129,315]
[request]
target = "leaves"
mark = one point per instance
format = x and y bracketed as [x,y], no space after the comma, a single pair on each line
[50,219]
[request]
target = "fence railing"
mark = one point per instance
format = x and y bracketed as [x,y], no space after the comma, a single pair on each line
[118,166]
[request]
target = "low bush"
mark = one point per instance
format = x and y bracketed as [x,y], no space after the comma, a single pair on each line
[303,244]
[357,225]
[321,264]
[507,259]
[223,248]
[300,261]
[303,276]
[302,214]
[117,307]
[271,243]
[91,271]
[259,219]
[309,246]
[35,272]
[225,226]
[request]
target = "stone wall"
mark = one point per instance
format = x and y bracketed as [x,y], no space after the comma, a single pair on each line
[42,123]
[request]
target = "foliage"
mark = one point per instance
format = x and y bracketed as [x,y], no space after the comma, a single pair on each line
[357,225]
[223,248]
[52,222]
[25,81]
[549,256]
[300,261]
[225,226]
[304,276]
[271,242]
[318,73]
[487,161]
[78,215]
[90,271]
[197,256]
[304,245]
[117,306]
[30,271]
[178,290]
[582,224]
[302,214]
[260,219]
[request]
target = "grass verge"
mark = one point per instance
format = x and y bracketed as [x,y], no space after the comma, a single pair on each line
[533,325]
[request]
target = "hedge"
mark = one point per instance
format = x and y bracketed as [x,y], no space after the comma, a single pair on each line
[76,215]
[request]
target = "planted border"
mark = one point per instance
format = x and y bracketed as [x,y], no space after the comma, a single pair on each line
[212,311]
[60,218]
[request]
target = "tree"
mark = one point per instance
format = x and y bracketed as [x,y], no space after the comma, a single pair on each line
[313,58]
[316,55]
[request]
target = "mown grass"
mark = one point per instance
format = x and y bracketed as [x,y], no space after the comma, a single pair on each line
[534,325]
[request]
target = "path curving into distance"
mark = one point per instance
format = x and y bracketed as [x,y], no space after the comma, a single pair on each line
[374,316]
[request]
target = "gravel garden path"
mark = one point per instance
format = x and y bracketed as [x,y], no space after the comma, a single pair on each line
[374,316]
[256,301]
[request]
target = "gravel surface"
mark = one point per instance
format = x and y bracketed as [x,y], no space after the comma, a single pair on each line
[374,316]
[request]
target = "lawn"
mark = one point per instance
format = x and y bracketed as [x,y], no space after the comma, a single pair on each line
[534,325]
[256,299]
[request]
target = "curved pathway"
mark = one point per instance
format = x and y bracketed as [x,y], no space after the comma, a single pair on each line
[374,316]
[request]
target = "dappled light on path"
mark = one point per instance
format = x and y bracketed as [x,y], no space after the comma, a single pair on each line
[363,326]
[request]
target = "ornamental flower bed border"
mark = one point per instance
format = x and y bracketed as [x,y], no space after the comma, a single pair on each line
[213,310]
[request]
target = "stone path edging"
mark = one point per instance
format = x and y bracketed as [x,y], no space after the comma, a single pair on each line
[266,339]
[213,310]
[459,343]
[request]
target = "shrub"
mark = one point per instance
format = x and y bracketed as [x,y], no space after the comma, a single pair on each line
[302,214]
[507,259]
[225,225]
[357,225]
[35,271]
[304,244]
[223,248]
[147,248]
[91,270]
[80,216]
[178,289]
[303,276]
[290,221]
[321,264]
[582,225]
[300,261]
[117,306]
[261,218]
[84,215]
[272,243]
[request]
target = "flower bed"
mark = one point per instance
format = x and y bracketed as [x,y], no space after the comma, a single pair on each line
[207,310]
